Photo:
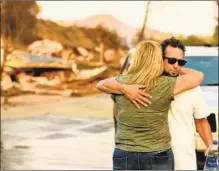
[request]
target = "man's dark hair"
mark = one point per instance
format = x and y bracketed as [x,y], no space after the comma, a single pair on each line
[172,42]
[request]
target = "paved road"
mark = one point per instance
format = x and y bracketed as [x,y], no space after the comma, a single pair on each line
[56,142]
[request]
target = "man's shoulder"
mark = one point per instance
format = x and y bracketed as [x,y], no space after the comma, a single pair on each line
[191,92]
[195,90]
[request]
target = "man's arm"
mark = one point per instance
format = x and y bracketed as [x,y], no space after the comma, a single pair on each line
[204,130]
[200,114]
[134,93]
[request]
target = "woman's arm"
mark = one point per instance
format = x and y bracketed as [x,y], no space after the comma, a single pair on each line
[134,93]
[110,86]
[188,79]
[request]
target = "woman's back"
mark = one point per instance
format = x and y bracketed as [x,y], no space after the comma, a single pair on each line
[145,129]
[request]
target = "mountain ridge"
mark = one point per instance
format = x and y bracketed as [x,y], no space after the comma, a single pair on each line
[112,23]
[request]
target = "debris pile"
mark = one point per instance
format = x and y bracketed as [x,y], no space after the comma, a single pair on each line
[49,68]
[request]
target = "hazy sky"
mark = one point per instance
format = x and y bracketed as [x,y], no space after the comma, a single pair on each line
[178,17]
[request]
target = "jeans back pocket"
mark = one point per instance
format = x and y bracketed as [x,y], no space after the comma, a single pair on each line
[120,163]
[163,162]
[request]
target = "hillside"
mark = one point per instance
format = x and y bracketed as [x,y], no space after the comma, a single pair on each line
[123,29]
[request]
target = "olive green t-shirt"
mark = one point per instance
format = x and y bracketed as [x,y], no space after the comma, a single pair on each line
[145,129]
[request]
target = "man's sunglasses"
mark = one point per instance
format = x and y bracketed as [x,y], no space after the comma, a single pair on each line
[171,60]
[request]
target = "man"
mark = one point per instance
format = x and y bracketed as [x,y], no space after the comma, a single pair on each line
[187,110]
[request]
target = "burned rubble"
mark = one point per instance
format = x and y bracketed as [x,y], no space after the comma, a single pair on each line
[49,68]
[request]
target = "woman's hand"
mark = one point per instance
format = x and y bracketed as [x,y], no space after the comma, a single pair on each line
[136,94]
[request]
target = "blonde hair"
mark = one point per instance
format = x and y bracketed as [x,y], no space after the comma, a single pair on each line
[146,64]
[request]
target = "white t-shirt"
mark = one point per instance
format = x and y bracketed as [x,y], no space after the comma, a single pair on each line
[185,107]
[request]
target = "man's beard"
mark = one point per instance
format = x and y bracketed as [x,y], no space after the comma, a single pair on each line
[171,74]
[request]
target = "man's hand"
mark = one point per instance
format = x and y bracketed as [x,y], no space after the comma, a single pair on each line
[136,94]
[207,151]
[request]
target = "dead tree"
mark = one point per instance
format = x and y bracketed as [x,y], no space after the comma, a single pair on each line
[217,1]
[145,21]
[6,45]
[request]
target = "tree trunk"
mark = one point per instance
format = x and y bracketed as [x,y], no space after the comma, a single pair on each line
[6,46]
[145,22]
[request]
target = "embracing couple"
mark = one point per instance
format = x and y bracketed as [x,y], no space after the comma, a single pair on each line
[155,104]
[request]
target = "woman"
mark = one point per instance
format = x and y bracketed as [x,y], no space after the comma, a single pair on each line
[142,135]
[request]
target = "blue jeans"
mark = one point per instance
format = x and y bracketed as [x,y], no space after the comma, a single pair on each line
[124,160]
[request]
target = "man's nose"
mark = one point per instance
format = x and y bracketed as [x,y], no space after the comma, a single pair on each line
[176,65]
